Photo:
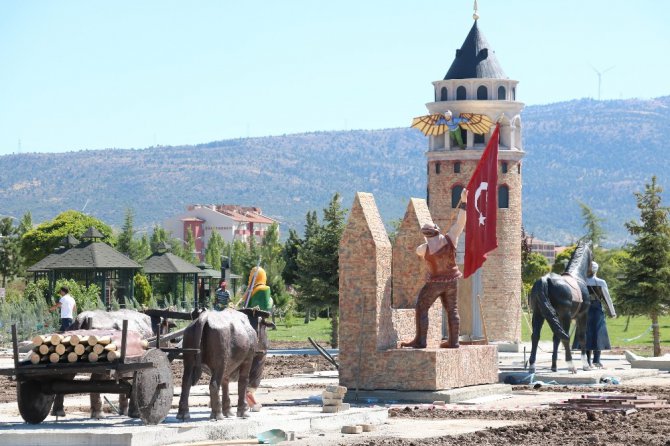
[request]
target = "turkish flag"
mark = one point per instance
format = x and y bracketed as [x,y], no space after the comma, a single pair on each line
[482,208]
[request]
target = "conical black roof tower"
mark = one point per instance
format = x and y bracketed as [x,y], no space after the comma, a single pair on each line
[475,59]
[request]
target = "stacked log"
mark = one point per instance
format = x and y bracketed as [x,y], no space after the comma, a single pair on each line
[72,348]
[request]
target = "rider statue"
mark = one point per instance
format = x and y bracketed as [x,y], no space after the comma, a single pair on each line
[597,338]
[439,253]
[259,299]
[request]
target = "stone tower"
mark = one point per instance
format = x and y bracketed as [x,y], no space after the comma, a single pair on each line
[476,83]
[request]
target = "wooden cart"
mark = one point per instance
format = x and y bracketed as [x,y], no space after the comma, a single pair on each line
[148,380]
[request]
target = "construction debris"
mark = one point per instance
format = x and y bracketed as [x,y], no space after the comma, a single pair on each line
[333,398]
[624,404]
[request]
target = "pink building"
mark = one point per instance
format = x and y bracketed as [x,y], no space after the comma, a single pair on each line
[232,222]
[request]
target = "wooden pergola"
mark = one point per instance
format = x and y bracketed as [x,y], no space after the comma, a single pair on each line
[171,269]
[88,262]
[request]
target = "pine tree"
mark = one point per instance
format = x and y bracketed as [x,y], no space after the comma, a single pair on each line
[290,254]
[593,226]
[273,262]
[10,250]
[124,242]
[318,262]
[645,289]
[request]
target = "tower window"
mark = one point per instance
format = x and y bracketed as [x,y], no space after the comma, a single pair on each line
[518,168]
[456,195]
[457,167]
[482,93]
[427,195]
[479,139]
[460,93]
[444,94]
[437,168]
[503,197]
[503,167]
[502,93]
[514,94]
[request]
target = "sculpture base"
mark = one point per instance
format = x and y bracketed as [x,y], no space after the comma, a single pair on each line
[430,369]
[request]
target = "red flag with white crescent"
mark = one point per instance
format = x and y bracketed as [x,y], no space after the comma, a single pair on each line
[482,208]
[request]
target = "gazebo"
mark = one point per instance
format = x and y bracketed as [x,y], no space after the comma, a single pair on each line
[170,269]
[91,261]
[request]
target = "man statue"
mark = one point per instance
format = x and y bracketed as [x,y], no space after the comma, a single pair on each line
[439,253]
[597,338]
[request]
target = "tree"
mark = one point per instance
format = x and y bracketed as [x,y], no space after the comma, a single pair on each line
[215,249]
[273,262]
[593,226]
[318,262]
[290,254]
[189,252]
[562,259]
[124,242]
[10,250]
[143,292]
[41,241]
[534,267]
[645,289]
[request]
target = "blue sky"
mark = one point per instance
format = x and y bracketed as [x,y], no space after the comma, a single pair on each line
[130,74]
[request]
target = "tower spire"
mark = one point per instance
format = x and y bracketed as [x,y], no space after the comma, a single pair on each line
[475,14]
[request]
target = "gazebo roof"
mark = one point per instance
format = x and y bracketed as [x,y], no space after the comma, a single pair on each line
[92,255]
[41,265]
[168,263]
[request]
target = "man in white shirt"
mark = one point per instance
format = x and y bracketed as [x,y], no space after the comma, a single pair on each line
[67,306]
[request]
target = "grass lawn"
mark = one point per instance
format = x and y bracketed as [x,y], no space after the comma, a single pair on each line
[618,337]
[318,330]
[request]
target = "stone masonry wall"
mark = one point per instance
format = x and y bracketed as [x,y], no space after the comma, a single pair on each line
[370,328]
[365,267]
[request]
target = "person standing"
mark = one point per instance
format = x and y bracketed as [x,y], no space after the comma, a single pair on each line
[68,307]
[221,296]
[597,338]
[439,253]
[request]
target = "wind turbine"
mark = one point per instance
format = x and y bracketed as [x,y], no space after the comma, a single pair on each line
[600,76]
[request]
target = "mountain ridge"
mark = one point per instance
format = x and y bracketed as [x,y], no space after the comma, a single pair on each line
[596,152]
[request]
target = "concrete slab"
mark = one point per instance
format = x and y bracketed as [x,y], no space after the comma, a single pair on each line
[641,362]
[426,396]
[77,429]
[582,377]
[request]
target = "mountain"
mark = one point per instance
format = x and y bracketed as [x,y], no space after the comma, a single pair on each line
[597,152]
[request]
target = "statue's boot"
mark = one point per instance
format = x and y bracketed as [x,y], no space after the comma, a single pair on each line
[419,340]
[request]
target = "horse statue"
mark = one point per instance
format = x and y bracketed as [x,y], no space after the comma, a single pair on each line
[559,299]
[227,344]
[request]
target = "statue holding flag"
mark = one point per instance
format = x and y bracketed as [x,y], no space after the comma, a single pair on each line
[439,253]
[479,220]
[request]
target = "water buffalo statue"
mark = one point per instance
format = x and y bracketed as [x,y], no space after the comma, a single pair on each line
[227,344]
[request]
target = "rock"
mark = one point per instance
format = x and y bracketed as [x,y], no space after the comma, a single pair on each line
[352,429]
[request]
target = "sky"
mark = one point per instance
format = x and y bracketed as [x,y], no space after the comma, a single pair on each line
[84,74]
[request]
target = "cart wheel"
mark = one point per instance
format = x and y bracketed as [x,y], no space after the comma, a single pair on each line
[152,388]
[34,405]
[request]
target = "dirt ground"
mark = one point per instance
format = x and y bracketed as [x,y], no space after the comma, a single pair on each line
[550,427]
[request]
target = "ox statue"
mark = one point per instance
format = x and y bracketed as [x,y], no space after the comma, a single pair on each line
[227,344]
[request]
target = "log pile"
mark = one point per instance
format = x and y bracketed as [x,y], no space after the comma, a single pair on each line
[71,348]
[624,404]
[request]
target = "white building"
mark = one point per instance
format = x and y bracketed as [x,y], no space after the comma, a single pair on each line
[232,222]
